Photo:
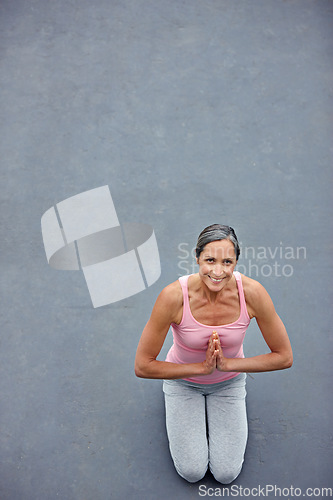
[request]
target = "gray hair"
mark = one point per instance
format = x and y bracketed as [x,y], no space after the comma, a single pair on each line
[216,232]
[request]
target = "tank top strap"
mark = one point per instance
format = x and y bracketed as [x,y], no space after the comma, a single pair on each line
[241,294]
[186,302]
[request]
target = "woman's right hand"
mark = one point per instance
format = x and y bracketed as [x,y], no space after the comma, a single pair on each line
[211,354]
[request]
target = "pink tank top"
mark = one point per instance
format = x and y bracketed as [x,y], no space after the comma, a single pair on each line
[190,338]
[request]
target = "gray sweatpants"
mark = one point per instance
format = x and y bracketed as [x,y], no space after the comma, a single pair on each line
[207,426]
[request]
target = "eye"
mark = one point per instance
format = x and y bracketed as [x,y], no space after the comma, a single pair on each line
[210,260]
[228,262]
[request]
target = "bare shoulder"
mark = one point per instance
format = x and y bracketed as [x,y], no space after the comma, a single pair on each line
[256,296]
[170,302]
[172,294]
[252,288]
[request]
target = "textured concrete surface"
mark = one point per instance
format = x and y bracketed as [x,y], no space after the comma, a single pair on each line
[193,112]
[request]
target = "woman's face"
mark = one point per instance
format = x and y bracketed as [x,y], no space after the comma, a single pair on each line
[217,262]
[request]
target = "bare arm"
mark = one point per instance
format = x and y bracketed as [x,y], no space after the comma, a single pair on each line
[273,331]
[165,312]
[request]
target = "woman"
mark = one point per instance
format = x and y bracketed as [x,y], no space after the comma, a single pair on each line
[205,369]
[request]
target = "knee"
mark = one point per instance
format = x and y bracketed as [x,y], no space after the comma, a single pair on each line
[225,475]
[191,472]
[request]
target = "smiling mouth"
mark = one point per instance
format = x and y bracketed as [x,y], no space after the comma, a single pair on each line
[215,280]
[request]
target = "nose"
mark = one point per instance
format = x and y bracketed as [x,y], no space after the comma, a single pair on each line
[218,270]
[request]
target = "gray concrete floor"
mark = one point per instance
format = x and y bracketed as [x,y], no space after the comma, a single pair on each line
[193,112]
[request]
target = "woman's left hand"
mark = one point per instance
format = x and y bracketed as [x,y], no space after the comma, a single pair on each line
[220,359]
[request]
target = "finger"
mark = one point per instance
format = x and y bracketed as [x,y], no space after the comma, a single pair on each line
[210,351]
[215,335]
